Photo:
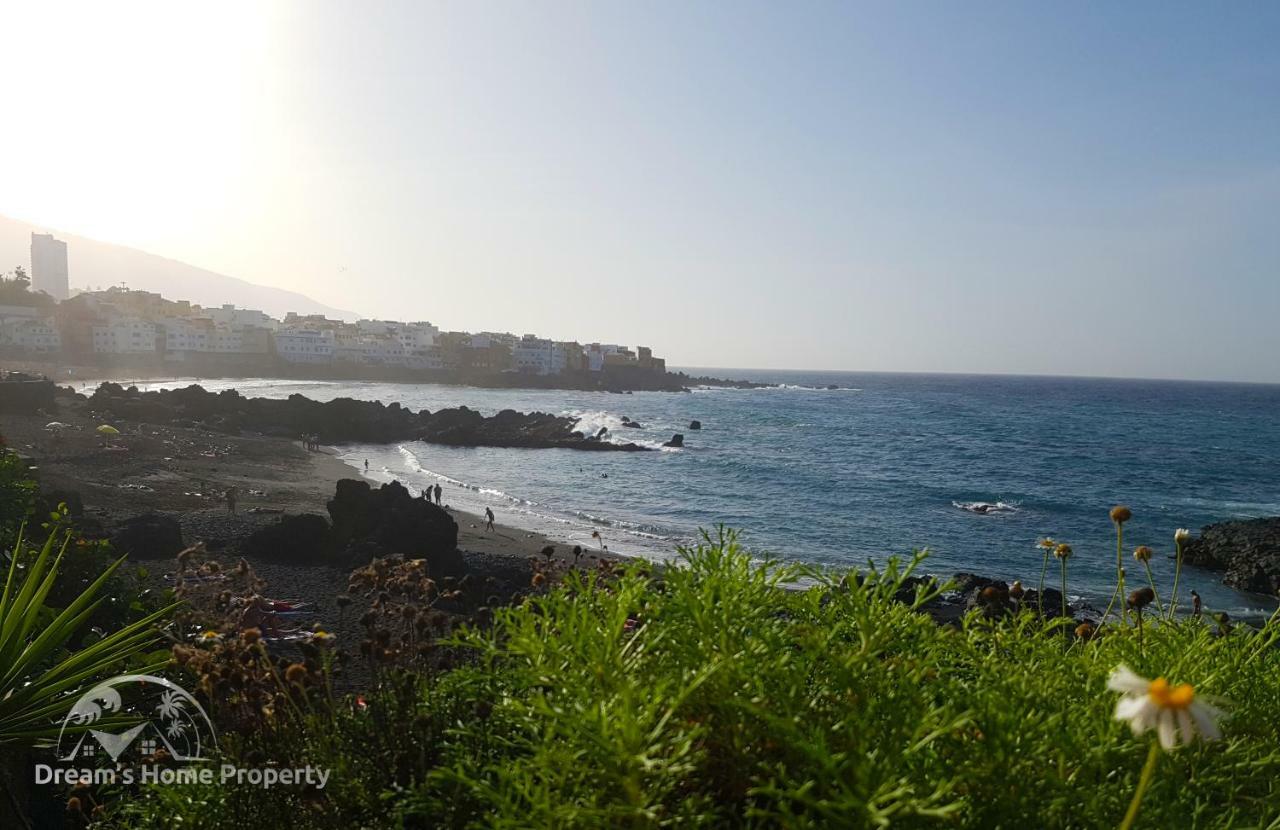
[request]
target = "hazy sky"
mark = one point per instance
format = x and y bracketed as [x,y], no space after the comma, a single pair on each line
[1081,188]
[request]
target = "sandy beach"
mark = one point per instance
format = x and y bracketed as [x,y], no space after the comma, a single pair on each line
[184,472]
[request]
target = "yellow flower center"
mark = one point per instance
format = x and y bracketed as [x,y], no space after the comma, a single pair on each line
[1167,696]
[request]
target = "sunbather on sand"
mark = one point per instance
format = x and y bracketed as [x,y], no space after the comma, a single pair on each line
[261,613]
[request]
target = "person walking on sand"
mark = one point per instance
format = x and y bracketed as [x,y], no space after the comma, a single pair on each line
[366,465]
[231,499]
[438,491]
[488,516]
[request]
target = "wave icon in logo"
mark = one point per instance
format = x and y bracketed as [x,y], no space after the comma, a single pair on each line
[136,715]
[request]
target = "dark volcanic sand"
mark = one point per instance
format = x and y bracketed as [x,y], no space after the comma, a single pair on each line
[183,472]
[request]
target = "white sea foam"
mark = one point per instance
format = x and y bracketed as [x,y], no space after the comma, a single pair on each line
[621,536]
[987,508]
[589,422]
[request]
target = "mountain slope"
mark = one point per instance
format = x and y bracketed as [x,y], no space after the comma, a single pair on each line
[101,264]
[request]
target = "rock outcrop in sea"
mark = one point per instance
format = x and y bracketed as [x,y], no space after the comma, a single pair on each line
[1247,550]
[344,420]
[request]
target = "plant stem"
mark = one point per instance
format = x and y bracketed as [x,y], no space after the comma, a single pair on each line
[1120,570]
[1044,569]
[1110,604]
[1064,586]
[1154,592]
[1177,575]
[1144,781]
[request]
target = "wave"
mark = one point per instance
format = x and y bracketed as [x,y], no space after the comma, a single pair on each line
[589,422]
[578,523]
[987,508]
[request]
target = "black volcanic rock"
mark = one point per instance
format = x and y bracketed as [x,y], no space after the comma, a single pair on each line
[389,520]
[25,394]
[302,538]
[1248,551]
[677,440]
[343,419]
[695,425]
[149,536]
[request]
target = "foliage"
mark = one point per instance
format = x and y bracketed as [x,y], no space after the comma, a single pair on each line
[15,289]
[731,692]
[37,672]
[17,492]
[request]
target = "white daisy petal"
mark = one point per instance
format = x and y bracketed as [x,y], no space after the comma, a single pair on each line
[1185,727]
[1128,707]
[1167,729]
[1204,716]
[1145,719]
[1123,679]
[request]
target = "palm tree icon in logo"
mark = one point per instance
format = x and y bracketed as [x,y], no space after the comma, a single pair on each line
[171,710]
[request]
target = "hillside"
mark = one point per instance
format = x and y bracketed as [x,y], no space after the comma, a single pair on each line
[100,264]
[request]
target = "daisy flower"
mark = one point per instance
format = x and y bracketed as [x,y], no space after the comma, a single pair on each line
[1171,710]
[321,638]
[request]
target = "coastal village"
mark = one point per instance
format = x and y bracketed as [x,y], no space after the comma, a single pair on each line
[118,328]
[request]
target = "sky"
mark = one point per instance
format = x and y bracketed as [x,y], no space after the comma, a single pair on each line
[1059,188]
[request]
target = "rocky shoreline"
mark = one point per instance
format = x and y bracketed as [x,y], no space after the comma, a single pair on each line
[343,420]
[1247,550]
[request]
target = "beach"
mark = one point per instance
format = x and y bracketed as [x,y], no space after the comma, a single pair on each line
[184,472]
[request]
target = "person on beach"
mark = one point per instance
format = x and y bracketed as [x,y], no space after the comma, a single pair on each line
[231,499]
[438,491]
[1196,608]
[366,465]
[260,613]
[488,515]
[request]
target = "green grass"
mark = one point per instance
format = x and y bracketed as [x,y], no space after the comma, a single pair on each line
[728,702]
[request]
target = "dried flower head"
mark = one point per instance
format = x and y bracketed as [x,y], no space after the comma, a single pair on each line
[251,635]
[1141,598]
[1086,631]
[1062,550]
[296,673]
[1143,554]
[1121,514]
[1016,590]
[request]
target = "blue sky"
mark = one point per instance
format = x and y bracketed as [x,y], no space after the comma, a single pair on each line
[1078,188]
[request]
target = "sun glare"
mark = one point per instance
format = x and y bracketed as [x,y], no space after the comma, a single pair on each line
[125,112]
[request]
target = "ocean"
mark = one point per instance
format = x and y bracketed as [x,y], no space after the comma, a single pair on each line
[883,464]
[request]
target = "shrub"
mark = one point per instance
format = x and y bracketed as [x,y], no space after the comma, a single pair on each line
[737,693]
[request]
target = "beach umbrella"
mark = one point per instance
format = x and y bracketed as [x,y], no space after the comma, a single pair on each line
[107,429]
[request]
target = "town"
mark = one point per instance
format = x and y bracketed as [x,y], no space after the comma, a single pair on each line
[118,330]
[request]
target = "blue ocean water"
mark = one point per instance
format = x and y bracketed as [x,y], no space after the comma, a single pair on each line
[880,465]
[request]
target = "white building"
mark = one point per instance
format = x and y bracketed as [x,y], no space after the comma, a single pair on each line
[184,334]
[236,318]
[372,350]
[49,266]
[30,334]
[533,355]
[596,354]
[420,335]
[305,345]
[125,335]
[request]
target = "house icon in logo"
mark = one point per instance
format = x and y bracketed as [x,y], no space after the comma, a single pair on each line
[135,716]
